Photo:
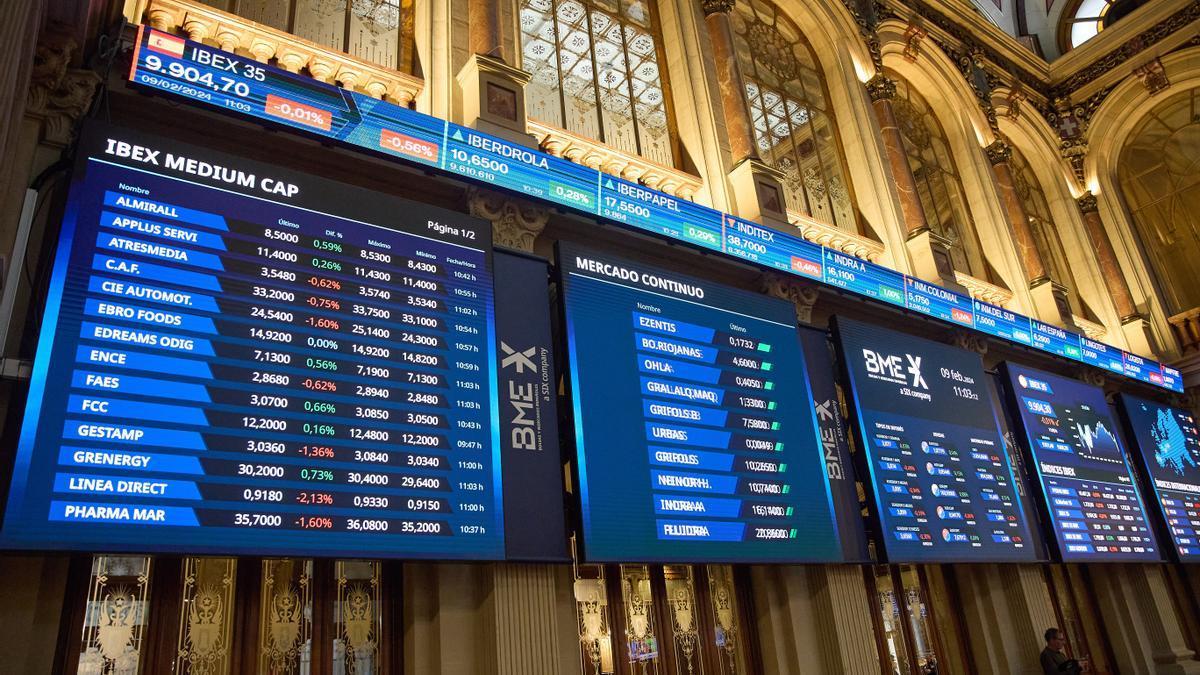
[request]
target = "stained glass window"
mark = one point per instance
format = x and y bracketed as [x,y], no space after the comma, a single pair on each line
[938,184]
[790,111]
[1159,174]
[596,72]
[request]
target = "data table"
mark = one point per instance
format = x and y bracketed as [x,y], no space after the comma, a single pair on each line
[234,357]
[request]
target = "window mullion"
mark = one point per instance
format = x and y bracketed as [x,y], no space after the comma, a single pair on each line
[591,35]
[637,130]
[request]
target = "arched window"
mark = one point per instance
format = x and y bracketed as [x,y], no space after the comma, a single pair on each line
[1045,235]
[938,183]
[1089,17]
[789,107]
[1159,174]
[379,31]
[596,72]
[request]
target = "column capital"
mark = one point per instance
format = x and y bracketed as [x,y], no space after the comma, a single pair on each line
[998,152]
[515,223]
[1087,203]
[881,88]
[716,6]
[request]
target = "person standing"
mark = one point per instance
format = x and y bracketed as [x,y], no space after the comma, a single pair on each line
[1054,658]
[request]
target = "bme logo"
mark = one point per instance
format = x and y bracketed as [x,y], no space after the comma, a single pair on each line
[892,367]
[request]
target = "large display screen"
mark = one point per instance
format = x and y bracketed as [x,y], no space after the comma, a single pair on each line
[235,84]
[1167,441]
[694,423]
[1090,498]
[942,485]
[236,358]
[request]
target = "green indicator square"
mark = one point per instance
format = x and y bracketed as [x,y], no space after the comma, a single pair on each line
[774,426]
[779,447]
[787,489]
[764,347]
[793,534]
[782,468]
[789,510]
[769,385]
[771,405]
[766,365]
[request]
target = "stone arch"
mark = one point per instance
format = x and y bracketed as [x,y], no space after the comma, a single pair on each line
[937,77]
[1032,135]
[1108,132]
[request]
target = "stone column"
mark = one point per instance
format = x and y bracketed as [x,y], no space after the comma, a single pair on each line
[1135,326]
[756,186]
[1141,622]
[729,79]
[1049,297]
[486,36]
[493,91]
[928,251]
[882,90]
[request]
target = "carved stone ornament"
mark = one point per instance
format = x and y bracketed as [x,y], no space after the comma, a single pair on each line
[515,223]
[801,295]
[716,6]
[1090,375]
[59,95]
[998,152]
[970,340]
[881,88]
[1016,96]
[913,35]
[1087,203]
[1153,76]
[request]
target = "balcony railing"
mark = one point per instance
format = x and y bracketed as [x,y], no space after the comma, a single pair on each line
[232,33]
[1187,330]
[850,243]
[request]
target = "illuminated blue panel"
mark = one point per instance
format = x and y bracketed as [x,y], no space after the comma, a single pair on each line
[652,211]
[1088,492]
[1102,356]
[860,276]
[1167,446]
[771,248]
[940,478]
[497,162]
[307,402]
[926,298]
[1056,340]
[232,83]
[708,454]
[1002,323]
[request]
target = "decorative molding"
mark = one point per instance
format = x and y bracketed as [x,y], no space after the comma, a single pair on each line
[983,290]
[1087,203]
[1130,49]
[232,33]
[593,153]
[1153,76]
[515,222]
[1091,329]
[836,238]
[716,6]
[803,296]
[58,95]
[1012,102]
[881,88]
[1090,375]
[998,152]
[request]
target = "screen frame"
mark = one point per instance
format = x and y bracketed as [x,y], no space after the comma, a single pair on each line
[873,498]
[1050,531]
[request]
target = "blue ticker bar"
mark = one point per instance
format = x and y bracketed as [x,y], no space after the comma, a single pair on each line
[202,73]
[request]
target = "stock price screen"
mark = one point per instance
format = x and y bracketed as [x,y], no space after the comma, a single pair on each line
[694,424]
[1087,487]
[941,481]
[236,358]
[1167,441]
